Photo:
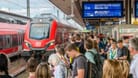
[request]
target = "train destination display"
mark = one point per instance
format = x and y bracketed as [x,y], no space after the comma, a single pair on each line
[104,9]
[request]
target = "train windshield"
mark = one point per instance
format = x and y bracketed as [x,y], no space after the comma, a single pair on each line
[39,31]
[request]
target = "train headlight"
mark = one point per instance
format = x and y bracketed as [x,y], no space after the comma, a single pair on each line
[27,44]
[52,42]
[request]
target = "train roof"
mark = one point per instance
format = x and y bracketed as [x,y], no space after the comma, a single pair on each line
[7,17]
[14,15]
[12,26]
[48,18]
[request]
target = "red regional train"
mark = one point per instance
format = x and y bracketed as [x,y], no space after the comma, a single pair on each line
[43,32]
[11,38]
[12,27]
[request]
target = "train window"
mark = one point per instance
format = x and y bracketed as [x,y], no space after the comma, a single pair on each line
[1,42]
[4,42]
[14,40]
[22,38]
[8,41]
[19,39]
[39,31]
[18,36]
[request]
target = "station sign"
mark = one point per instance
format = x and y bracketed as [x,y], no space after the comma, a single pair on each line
[102,9]
[136,9]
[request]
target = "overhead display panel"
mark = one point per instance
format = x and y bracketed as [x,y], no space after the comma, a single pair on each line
[136,9]
[102,9]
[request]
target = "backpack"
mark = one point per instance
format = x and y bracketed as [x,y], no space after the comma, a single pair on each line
[95,70]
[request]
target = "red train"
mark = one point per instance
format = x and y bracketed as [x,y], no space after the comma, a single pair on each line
[44,31]
[11,38]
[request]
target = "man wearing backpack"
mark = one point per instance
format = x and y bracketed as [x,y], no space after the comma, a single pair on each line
[93,60]
[79,65]
[79,43]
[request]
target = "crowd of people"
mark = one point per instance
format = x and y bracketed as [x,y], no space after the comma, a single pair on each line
[85,56]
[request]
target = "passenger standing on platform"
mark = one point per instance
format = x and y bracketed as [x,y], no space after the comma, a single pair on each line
[79,65]
[58,63]
[88,44]
[72,39]
[89,37]
[115,69]
[122,53]
[95,45]
[79,43]
[125,67]
[133,47]
[4,66]
[59,69]
[42,71]
[94,60]
[126,42]
[112,52]
[31,67]
[101,47]
[60,52]
[108,45]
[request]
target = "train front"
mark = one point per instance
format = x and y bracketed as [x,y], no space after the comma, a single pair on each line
[40,36]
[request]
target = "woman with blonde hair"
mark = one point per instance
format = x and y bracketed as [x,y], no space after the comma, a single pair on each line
[115,69]
[31,67]
[125,67]
[42,71]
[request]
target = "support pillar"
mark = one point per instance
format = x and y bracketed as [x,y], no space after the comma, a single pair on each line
[28,8]
[128,11]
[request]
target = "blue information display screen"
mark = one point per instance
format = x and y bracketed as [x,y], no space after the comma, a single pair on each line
[136,9]
[106,9]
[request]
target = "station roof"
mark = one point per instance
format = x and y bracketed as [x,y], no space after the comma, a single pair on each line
[65,6]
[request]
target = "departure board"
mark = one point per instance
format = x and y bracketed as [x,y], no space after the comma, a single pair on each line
[102,9]
[136,9]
